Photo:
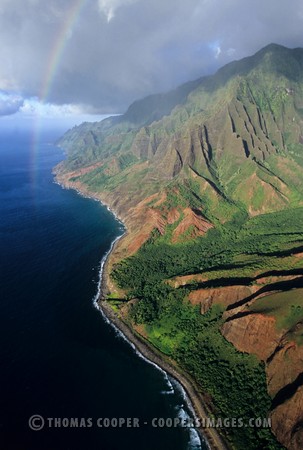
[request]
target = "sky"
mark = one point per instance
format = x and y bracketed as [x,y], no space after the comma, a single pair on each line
[79,57]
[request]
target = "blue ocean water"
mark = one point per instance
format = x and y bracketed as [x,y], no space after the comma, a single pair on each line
[59,358]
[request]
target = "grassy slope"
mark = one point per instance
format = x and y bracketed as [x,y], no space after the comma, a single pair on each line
[249,248]
[232,151]
[286,307]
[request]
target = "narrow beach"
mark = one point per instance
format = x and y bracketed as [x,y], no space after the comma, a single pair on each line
[214,439]
[212,436]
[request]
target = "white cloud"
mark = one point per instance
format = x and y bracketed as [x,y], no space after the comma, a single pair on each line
[109,7]
[29,108]
[215,48]
[218,51]
[33,107]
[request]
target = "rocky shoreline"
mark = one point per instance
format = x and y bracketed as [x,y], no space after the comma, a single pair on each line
[211,435]
[197,403]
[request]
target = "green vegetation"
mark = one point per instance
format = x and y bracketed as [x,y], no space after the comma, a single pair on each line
[222,144]
[229,147]
[233,246]
[286,307]
[236,381]
[127,160]
[178,329]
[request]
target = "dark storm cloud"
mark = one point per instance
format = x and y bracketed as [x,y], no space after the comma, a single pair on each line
[119,50]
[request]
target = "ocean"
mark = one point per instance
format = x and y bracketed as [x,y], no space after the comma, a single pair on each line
[60,360]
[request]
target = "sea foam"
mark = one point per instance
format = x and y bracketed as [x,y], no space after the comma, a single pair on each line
[172,383]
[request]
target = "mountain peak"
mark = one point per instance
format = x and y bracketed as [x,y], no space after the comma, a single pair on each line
[273,47]
[273,58]
[209,178]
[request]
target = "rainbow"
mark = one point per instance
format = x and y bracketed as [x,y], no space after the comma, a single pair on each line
[51,71]
[59,47]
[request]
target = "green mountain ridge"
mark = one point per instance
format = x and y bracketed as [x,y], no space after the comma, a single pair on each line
[208,180]
[248,115]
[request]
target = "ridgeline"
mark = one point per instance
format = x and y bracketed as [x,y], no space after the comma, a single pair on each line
[208,180]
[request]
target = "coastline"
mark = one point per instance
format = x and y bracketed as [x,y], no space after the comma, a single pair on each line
[195,399]
[213,439]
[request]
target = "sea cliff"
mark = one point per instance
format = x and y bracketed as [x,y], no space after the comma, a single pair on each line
[199,404]
[208,182]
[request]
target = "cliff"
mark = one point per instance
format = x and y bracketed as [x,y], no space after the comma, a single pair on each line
[208,181]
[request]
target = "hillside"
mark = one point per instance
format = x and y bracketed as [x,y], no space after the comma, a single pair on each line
[208,180]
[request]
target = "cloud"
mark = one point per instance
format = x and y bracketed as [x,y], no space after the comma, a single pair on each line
[115,51]
[14,104]
[10,103]
[34,107]
[109,7]
[216,48]
[218,52]
[231,51]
